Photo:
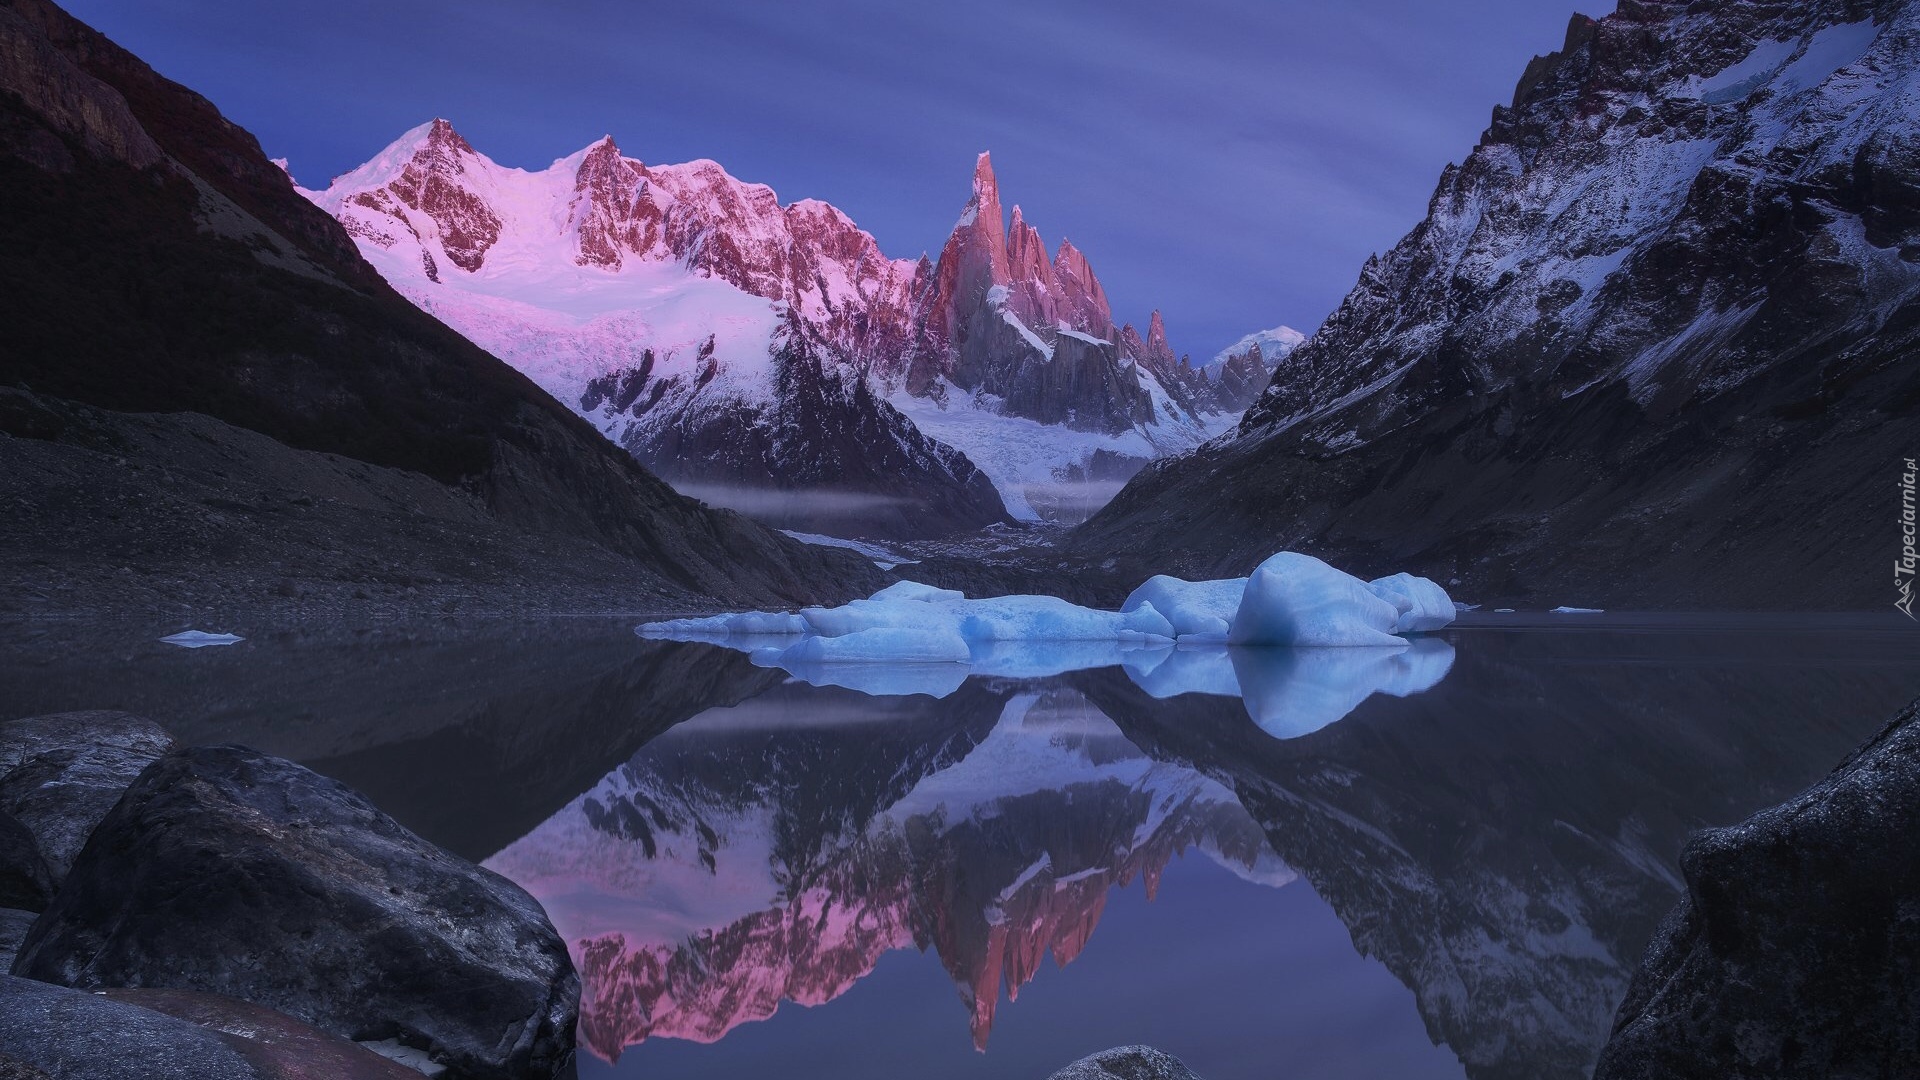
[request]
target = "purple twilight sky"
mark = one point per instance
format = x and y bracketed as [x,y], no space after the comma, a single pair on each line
[1231,162]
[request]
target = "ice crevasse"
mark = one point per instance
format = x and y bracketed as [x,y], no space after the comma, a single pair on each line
[1290,600]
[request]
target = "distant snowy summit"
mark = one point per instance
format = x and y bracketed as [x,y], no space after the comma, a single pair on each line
[771,357]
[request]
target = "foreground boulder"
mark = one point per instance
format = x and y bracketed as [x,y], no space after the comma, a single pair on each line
[14,925]
[61,773]
[1796,950]
[228,871]
[26,882]
[52,1031]
[1127,1063]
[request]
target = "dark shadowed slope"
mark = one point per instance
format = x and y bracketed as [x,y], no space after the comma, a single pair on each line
[153,261]
[1657,342]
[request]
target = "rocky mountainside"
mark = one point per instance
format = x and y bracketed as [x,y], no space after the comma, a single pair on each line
[156,263]
[772,357]
[1657,339]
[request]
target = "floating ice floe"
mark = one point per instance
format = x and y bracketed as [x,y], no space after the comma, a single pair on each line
[1291,599]
[1564,610]
[1308,642]
[200,639]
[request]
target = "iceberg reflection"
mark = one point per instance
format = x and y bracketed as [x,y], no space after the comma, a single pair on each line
[1287,692]
[1292,692]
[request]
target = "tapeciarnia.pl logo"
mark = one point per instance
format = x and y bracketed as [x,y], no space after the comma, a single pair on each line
[1903,566]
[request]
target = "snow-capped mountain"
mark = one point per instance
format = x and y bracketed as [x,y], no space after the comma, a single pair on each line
[1242,370]
[770,356]
[709,330]
[712,878]
[1650,344]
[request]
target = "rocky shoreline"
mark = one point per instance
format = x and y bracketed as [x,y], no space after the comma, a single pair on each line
[212,912]
[1795,951]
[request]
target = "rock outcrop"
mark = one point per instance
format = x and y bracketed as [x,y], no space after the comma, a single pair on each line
[60,774]
[225,871]
[26,882]
[1657,338]
[997,315]
[14,924]
[1795,951]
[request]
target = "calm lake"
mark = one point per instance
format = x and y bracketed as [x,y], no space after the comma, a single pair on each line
[1443,864]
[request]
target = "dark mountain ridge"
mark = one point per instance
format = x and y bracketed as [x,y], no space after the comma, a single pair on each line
[1657,342]
[155,262]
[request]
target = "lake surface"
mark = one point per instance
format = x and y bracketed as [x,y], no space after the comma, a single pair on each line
[1268,864]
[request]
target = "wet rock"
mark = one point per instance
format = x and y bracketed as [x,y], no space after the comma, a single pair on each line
[14,924]
[228,871]
[61,773]
[53,1031]
[1127,1063]
[1796,949]
[25,880]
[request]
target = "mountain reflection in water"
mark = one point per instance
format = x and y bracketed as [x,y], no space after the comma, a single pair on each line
[1455,880]
[766,854]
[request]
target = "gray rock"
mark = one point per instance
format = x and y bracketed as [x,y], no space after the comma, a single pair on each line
[1127,1063]
[61,773]
[14,924]
[53,1031]
[68,1033]
[228,871]
[1796,949]
[25,880]
[12,1068]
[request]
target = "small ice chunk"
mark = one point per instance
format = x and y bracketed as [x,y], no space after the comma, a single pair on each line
[1422,603]
[1564,610]
[1295,599]
[418,1060]
[1203,608]
[200,639]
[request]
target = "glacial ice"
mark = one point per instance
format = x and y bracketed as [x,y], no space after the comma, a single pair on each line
[1294,599]
[1423,605]
[200,639]
[1282,640]
[1197,610]
[1291,599]
[931,644]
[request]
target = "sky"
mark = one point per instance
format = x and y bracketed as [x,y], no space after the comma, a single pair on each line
[1230,162]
